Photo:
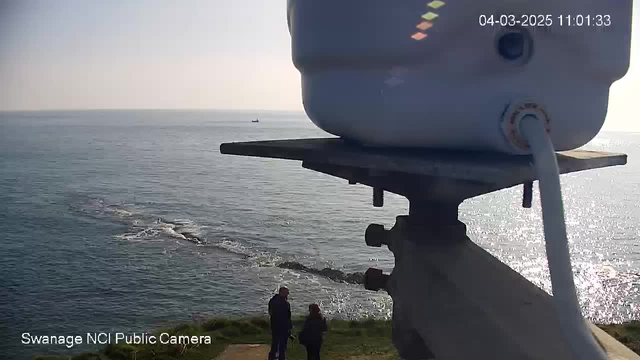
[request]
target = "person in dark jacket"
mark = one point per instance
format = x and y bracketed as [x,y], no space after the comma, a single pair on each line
[280,321]
[311,335]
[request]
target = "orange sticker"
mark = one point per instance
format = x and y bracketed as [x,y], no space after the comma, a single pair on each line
[424,25]
[419,36]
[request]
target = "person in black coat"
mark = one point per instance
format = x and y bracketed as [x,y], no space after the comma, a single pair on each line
[311,335]
[280,321]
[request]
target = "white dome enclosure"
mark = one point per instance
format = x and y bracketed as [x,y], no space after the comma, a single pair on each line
[450,74]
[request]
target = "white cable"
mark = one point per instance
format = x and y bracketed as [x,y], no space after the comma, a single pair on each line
[574,326]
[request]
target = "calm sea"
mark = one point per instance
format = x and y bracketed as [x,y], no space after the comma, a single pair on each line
[120,221]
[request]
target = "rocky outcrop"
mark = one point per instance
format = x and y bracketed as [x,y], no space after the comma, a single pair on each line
[332,274]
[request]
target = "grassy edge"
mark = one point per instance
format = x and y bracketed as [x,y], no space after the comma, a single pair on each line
[345,339]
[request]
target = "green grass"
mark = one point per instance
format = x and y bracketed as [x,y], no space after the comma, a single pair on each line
[346,339]
[628,334]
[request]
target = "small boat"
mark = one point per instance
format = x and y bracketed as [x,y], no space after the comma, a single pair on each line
[256,120]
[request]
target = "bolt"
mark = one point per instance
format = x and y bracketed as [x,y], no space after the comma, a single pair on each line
[527,194]
[378,197]
[375,280]
[376,235]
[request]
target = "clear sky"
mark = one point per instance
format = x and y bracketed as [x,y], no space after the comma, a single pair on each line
[174,54]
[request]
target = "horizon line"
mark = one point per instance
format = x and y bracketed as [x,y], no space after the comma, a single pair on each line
[148,109]
[209,109]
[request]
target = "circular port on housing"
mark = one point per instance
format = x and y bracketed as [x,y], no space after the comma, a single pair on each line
[515,45]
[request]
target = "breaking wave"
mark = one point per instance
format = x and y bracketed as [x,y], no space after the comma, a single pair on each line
[182,229]
[145,226]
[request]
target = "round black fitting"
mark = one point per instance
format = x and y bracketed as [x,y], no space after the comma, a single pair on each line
[376,235]
[515,44]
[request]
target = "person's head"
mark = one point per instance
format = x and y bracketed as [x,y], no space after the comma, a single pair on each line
[314,309]
[284,292]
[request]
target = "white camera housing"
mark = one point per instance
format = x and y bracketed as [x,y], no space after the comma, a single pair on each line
[370,77]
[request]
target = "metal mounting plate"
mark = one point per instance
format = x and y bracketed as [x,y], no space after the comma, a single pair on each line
[418,173]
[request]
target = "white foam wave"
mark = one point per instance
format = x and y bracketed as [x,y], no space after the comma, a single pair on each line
[256,257]
[183,229]
[169,230]
[183,222]
[139,235]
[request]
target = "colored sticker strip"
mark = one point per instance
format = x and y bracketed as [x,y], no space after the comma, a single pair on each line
[429,16]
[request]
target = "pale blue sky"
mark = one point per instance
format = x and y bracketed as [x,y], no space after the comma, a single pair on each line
[146,54]
[202,54]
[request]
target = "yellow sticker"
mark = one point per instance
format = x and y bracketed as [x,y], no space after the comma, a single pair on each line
[436,4]
[429,16]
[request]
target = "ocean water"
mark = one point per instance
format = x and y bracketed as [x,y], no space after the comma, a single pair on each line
[121,221]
